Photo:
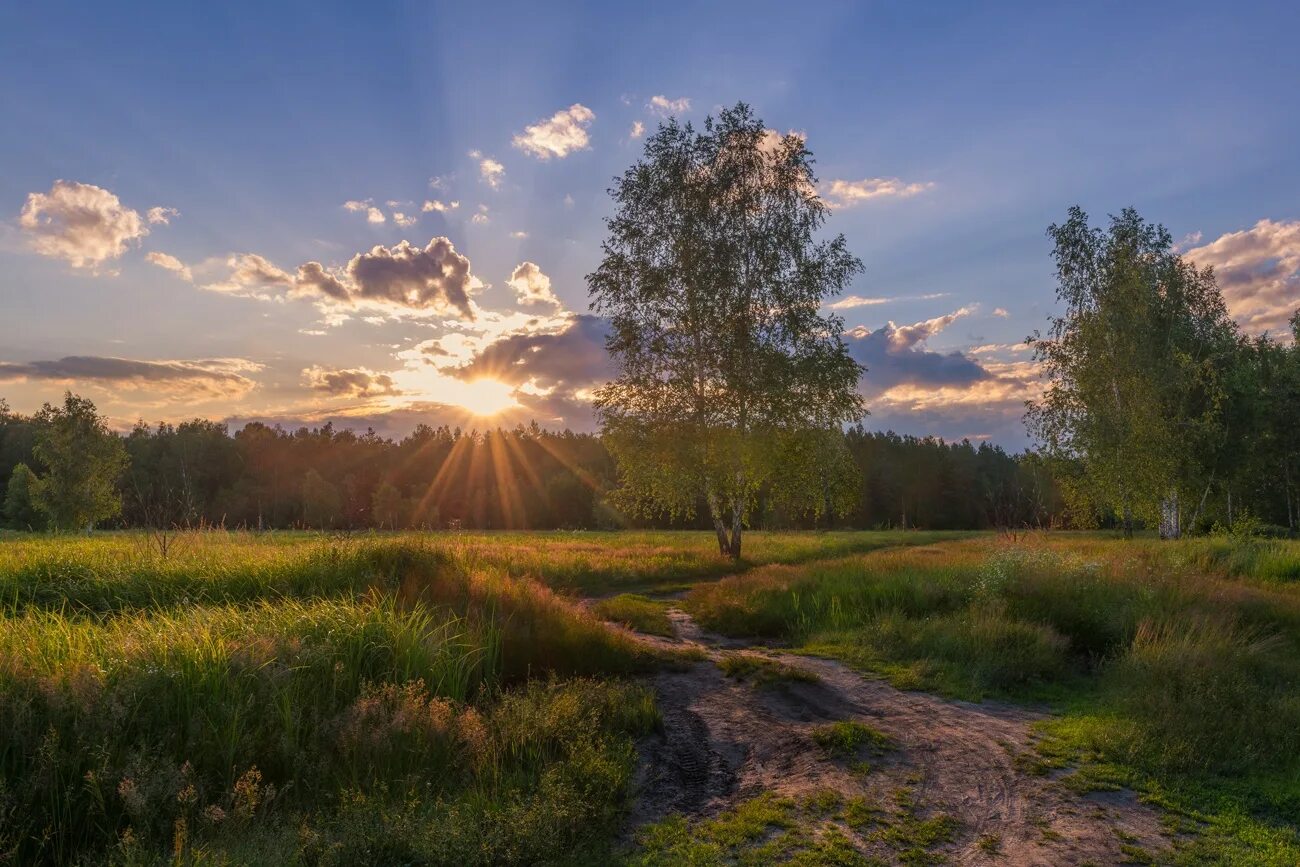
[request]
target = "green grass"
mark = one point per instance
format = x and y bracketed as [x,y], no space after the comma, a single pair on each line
[761,671]
[1176,666]
[847,738]
[636,612]
[377,701]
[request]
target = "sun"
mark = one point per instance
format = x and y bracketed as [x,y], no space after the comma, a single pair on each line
[481,397]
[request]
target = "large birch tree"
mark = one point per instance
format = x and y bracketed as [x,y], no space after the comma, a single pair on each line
[713,279]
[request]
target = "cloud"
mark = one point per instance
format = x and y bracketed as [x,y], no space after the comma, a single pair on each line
[402,219]
[373,214]
[561,135]
[896,354]
[1001,312]
[663,106]
[519,234]
[844,194]
[349,382]
[532,286]
[252,275]
[405,276]
[638,130]
[490,171]
[83,224]
[480,218]
[162,215]
[1258,270]
[208,378]
[439,206]
[851,301]
[169,263]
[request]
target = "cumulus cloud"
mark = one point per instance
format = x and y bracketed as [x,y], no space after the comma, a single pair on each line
[82,224]
[434,277]
[349,382]
[896,354]
[663,106]
[373,214]
[843,194]
[849,302]
[532,286]
[206,378]
[1258,270]
[439,206]
[638,130]
[490,171]
[480,218]
[560,135]
[169,262]
[162,215]
[402,219]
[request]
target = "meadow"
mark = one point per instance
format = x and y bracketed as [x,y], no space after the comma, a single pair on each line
[299,698]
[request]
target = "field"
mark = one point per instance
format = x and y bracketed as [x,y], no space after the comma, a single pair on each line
[294,698]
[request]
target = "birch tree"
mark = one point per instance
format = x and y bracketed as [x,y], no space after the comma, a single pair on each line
[1135,364]
[713,280]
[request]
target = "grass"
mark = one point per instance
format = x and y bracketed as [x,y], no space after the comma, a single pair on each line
[1176,666]
[636,612]
[847,738]
[376,702]
[761,671]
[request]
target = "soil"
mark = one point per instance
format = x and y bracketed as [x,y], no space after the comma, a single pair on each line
[724,741]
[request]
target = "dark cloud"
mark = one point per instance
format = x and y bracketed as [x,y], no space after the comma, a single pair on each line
[569,359]
[354,382]
[418,278]
[219,377]
[896,354]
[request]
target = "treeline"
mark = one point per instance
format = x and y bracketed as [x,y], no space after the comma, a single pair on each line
[198,473]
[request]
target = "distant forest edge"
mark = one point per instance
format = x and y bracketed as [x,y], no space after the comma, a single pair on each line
[197,473]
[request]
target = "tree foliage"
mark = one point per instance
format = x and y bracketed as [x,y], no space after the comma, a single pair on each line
[713,280]
[1137,364]
[81,460]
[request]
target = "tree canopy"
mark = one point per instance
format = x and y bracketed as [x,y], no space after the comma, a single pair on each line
[713,279]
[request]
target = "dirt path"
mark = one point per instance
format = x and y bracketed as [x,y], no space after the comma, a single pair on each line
[725,741]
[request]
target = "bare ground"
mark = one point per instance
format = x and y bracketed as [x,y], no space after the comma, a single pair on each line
[725,741]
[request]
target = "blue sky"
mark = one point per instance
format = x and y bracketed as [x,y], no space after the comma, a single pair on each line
[964,131]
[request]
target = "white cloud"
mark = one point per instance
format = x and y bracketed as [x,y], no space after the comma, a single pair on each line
[490,171]
[434,278]
[402,219]
[519,234]
[480,218]
[439,206]
[638,130]
[162,215]
[532,286]
[169,263]
[664,106]
[1258,270]
[561,135]
[843,194]
[252,275]
[373,214]
[849,302]
[83,224]
[1001,312]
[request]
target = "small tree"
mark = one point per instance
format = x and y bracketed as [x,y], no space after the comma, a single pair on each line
[82,461]
[730,377]
[19,507]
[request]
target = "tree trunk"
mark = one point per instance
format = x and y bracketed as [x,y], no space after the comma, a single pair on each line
[1169,525]
[1128,520]
[737,524]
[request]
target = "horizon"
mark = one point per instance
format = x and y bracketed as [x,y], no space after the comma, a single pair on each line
[387,219]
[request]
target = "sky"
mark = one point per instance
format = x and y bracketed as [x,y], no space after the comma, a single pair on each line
[382,214]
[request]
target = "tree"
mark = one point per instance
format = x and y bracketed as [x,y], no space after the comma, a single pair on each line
[1136,365]
[19,509]
[321,501]
[386,506]
[713,283]
[82,461]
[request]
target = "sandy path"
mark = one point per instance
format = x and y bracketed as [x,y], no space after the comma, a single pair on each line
[724,741]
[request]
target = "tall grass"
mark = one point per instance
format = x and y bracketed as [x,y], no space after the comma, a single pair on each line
[309,680]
